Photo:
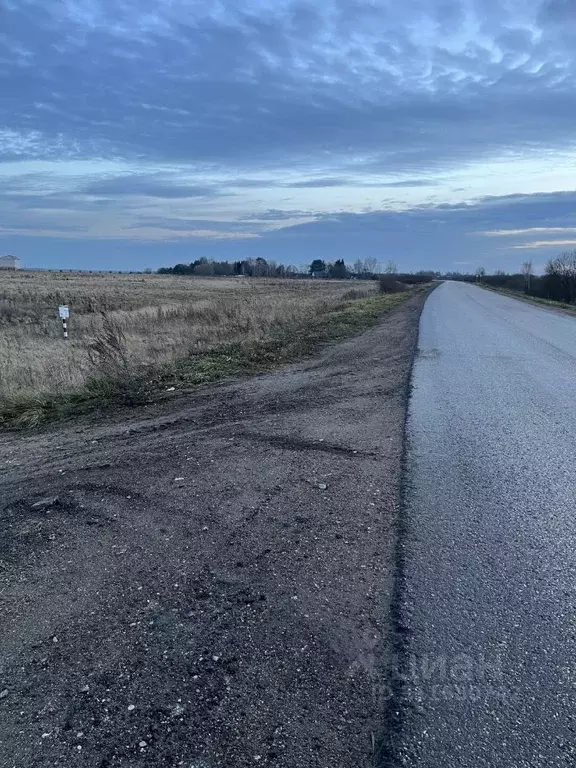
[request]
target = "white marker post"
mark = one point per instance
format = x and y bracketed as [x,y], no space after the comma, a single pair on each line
[64,313]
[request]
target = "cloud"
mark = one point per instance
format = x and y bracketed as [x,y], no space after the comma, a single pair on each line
[39,225]
[318,183]
[273,82]
[528,231]
[145,185]
[44,234]
[222,230]
[427,236]
[242,183]
[351,182]
[409,183]
[430,235]
[273,214]
[268,112]
[423,236]
[556,244]
[204,234]
[557,12]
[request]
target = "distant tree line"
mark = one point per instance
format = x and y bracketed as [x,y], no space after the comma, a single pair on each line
[249,267]
[362,269]
[558,283]
[260,268]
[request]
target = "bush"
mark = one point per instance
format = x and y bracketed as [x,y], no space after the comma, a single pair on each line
[514,282]
[415,279]
[389,284]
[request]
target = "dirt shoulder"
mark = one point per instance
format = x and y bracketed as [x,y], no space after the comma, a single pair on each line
[209,585]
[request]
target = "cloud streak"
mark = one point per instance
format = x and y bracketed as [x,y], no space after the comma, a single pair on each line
[529,231]
[145,186]
[548,244]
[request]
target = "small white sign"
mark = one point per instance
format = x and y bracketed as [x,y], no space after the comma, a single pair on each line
[64,312]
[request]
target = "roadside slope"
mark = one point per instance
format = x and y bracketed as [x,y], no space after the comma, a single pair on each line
[209,587]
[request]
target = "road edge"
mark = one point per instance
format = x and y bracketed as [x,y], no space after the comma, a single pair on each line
[393,717]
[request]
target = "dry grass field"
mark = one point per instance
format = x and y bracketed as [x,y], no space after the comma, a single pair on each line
[131,322]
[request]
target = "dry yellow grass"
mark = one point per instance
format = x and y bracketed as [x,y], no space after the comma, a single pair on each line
[162,317]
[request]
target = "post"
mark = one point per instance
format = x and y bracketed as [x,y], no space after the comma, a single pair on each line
[64,313]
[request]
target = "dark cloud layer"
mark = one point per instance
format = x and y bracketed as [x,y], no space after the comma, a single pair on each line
[222,81]
[218,98]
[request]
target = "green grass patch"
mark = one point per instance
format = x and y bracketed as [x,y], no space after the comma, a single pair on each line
[283,345]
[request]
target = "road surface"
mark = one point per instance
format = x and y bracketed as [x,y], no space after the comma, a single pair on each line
[489,550]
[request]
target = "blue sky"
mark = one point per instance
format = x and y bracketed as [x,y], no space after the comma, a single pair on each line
[437,133]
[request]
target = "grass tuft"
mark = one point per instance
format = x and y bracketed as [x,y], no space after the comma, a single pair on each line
[25,412]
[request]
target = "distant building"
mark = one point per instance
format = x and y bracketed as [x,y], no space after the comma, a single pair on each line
[9,262]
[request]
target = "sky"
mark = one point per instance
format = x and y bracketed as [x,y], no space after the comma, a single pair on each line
[435,133]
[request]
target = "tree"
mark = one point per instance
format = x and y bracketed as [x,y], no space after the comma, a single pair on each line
[561,277]
[431,273]
[206,268]
[260,267]
[480,274]
[222,268]
[317,267]
[371,265]
[527,272]
[359,267]
[338,270]
[390,268]
[243,267]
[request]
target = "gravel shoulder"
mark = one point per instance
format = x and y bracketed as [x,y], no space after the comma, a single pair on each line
[209,584]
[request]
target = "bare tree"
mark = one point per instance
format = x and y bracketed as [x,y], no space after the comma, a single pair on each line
[561,272]
[527,272]
[371,265]
[359,267]
[480,274]
[391,268]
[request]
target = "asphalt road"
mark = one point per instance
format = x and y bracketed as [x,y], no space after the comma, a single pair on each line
[488,668]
